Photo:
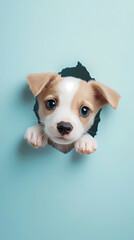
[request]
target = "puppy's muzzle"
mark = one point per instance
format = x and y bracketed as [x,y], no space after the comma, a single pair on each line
[64,127]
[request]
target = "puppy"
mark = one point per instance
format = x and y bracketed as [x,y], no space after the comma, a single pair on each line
[67,109]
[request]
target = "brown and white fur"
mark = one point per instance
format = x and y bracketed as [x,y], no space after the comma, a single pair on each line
[70,94]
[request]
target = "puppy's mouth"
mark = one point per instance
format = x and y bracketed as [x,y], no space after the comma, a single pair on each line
[62,140]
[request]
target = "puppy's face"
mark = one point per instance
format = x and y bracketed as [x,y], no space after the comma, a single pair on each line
[68,106]
[66,109]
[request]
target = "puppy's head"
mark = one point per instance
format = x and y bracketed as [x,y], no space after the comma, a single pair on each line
[68,106]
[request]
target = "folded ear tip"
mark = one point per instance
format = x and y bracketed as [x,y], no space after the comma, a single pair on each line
[117,102]
[30,78]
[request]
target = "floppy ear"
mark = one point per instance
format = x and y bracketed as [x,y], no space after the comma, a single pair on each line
[105,95]
[37,81]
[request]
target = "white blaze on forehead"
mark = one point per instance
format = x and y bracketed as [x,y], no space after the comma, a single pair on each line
[68,88]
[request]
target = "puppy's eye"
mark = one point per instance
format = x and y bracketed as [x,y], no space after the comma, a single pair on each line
[51,104]
[84,111]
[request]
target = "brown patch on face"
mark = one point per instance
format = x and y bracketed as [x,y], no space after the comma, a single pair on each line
[85,97]
[94,95]
[49,92]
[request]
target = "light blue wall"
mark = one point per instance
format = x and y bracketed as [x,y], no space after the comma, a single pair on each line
[45,194]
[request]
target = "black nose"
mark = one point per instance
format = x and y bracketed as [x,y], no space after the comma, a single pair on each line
[64,127]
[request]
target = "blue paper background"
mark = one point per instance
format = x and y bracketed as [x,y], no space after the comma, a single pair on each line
[45,194]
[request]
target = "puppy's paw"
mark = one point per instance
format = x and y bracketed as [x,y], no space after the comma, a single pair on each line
[86,144]
[35,136]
